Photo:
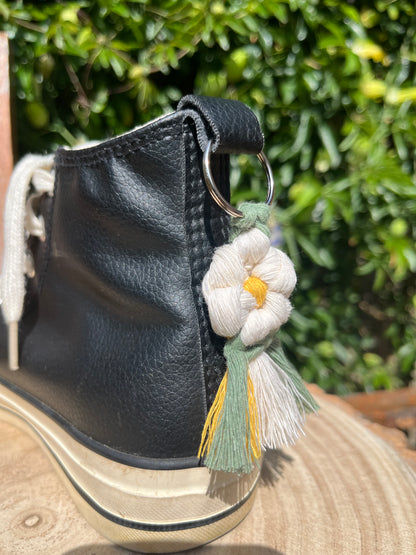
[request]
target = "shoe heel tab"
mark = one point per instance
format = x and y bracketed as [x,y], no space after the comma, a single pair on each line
[230,124]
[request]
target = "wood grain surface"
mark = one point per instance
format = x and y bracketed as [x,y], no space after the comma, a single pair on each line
[340,490]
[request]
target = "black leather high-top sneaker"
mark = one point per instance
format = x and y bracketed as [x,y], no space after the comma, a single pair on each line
[108,355]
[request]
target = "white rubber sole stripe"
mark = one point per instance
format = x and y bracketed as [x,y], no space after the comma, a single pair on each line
[152,511]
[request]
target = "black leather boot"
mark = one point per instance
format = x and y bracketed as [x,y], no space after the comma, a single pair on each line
[117,362]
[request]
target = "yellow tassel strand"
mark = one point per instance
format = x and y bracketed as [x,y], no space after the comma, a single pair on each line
[213,418]
[254,420]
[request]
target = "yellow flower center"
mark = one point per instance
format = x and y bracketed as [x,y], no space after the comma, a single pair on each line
[257,288]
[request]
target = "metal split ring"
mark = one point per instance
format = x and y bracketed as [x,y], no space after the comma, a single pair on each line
[215,193]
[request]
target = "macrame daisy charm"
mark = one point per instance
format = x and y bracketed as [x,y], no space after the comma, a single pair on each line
[261,401]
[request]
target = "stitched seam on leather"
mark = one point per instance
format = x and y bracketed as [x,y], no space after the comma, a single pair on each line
[195,238]
[111,152]
[201,247]
[121,149]
[219,222]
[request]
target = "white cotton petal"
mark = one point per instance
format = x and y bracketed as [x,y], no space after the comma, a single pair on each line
[252,246]
[279,404]
[277,271]
[279,305]
[260,322]
[225,310]
[226,268]
[248,303]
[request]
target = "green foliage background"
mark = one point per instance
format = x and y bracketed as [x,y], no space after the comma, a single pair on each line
[333,83]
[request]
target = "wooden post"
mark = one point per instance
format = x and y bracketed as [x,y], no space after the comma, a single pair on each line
[6,142]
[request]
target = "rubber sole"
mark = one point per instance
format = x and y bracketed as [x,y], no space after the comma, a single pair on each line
[152,511]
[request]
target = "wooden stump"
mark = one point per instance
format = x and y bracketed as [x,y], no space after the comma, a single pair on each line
[340,490]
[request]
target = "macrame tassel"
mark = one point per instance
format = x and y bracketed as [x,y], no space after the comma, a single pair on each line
[281,400]
[262,401]
[230,438]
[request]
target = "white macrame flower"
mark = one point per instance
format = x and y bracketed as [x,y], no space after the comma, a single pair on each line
[247,288]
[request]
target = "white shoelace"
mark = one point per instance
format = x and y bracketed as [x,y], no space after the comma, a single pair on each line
[20,222]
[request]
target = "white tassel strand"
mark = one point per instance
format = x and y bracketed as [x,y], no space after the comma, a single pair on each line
[280,405]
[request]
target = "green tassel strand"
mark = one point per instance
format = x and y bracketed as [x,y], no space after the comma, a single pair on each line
[305,399]
[235,445]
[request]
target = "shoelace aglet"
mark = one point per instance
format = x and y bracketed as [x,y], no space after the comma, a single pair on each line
[13,345]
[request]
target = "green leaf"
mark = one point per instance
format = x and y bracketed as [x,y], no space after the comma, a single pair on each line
[365,269]
[328,140]
[118,65]
[410,255]
[320,256]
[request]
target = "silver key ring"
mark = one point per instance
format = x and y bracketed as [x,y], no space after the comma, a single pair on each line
[217,196]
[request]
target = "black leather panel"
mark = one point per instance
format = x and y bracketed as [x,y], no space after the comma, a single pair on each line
[115,349]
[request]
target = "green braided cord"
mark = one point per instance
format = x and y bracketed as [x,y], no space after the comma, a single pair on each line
[255,215]
[231,450]
[276,353]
